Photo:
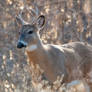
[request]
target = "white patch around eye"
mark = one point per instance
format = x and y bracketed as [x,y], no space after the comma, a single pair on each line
[25,43]
[32,47]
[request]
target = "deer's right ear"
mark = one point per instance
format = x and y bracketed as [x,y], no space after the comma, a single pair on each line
[18,21]
[40,21]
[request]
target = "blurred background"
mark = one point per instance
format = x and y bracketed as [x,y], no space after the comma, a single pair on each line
[66,21]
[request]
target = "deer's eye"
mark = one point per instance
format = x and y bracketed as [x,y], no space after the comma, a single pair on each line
[19,32]
[30,32]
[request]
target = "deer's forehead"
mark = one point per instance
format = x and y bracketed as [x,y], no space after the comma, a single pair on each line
[27,27]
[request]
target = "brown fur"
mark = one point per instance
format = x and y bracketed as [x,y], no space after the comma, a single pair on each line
[55,61]
[73,59]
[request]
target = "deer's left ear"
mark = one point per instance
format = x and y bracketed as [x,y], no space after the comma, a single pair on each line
[40,21]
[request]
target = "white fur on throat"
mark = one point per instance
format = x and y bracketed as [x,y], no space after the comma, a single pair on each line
[32,47]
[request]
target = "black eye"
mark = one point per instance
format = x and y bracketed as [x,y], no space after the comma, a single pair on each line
[19,32]
[30,32]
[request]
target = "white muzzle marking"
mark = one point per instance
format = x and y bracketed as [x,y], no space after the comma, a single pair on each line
[32,47]
[23,42]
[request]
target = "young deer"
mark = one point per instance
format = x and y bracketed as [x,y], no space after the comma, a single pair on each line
[54,59]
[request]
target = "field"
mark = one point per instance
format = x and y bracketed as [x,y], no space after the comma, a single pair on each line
[66,21]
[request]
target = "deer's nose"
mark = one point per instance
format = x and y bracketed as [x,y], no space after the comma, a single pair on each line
[21,44]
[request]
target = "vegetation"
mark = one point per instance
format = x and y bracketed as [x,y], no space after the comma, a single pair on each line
[66,21]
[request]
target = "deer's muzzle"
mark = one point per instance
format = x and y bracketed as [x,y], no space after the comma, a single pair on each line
[21,44]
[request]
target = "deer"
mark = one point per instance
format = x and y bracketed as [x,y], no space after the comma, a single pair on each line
[54,60]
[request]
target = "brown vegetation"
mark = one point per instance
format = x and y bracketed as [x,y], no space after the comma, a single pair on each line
[66,21]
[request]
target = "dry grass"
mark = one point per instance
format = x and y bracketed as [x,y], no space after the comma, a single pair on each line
[64,24]
[41,85]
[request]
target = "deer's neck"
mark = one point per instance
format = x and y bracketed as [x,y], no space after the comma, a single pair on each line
[39,56]
[36,52]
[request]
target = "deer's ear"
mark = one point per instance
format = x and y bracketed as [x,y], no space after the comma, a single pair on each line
[18,21]
[40,21]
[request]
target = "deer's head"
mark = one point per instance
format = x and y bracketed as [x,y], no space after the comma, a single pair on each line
[29,32]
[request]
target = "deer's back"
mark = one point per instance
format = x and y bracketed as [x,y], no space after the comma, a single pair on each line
[68,58]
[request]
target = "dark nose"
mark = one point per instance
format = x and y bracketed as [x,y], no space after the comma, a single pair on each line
[20,45]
